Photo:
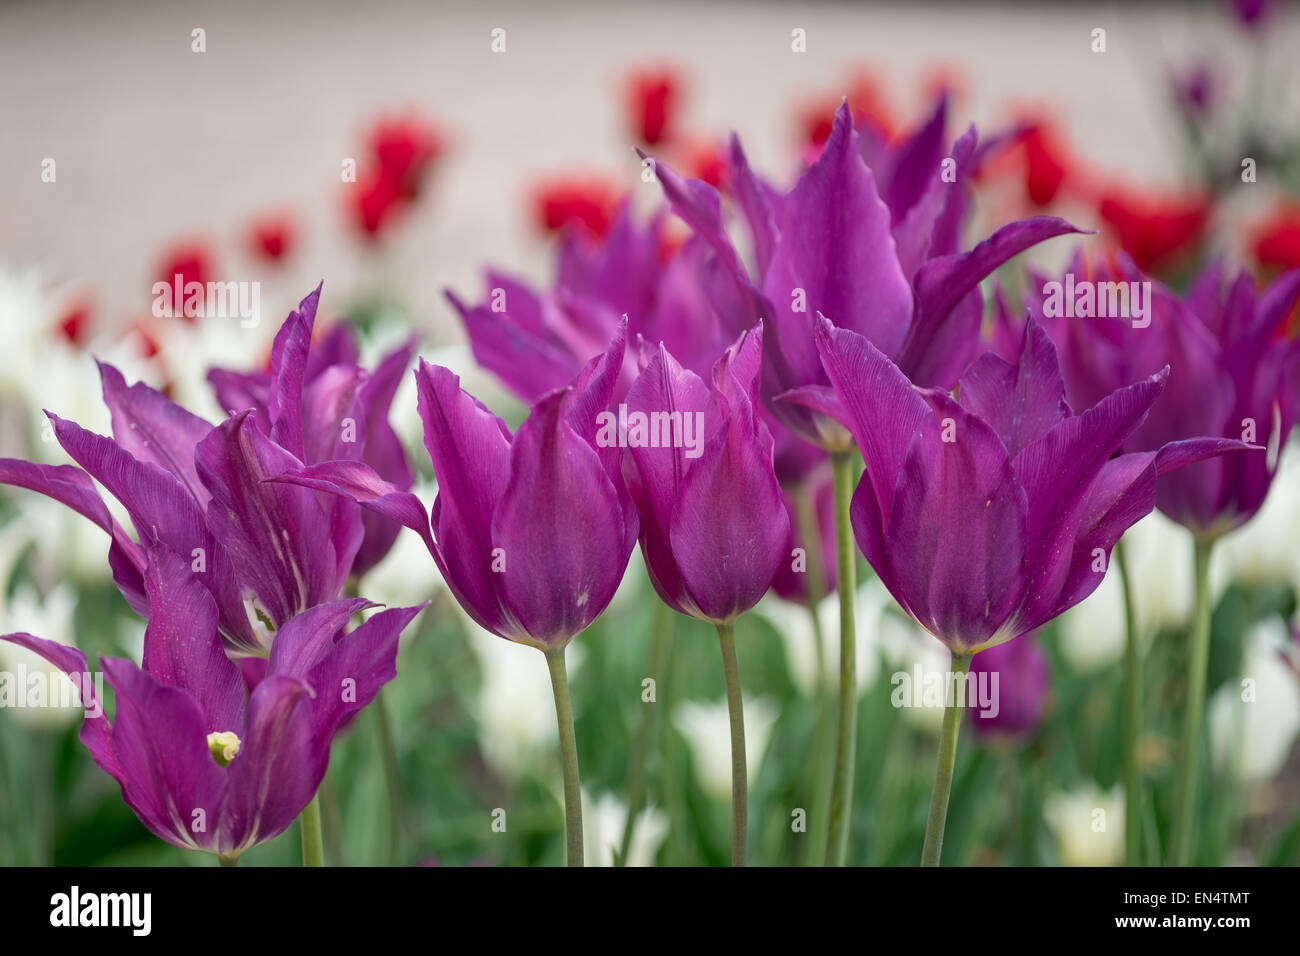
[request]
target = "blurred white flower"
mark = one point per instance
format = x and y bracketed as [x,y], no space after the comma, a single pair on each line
[603,820]
[65,380]
[793,623]
[408,574]
[515,708]
[1088,824]
[50,618]
[707,729]
[187,350]
[1255,718]
[1159,556]
[906,646]
[1263,551]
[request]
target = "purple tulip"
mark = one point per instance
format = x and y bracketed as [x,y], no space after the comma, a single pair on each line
[344,411]
[1023,676]
[714,527]
[988,515]
[266,551]
[832,245]
[204,763]
[1232,374]
[531,531]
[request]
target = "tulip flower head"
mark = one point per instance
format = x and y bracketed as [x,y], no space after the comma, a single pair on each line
[205,762]
[532,531]
[714,526]
[265,550]
[989,514]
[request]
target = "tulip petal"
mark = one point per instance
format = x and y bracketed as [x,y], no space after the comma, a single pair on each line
[1021,402]
[279,766]
[155,429]
[289,373]
[356,667]
[1057,472]
[470,449]
[956,533]
[290,551]
[943,338]
[836,255]
[181,645]
[166,769]
[96,731]
[729,530]
[559,527]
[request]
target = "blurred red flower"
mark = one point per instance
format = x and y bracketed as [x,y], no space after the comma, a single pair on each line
[405,147]
[271,237]
[1277,240]
[74,323]
[586,200]
[706,159]
[402,151]
[653,100]
[182,263]
[1154,229]
[867,101]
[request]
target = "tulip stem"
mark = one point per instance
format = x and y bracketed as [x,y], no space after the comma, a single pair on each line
[392,779]
[661,642]
[938,818]
[228,860]
[313,845]
[1132,718]
[846,718]
[1181,848]
[568,757]
[739,771]
[823,734]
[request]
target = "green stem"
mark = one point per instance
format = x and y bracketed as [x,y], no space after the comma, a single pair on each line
[392,780]
[823,734]
[228,860]
[934,824]
[739,772]
[661,642]
[1181,848]
[568,757]
[824,744]
[1132,718]
[846,718]
[313,846]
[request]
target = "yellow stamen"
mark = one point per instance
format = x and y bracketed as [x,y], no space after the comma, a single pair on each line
[224,747]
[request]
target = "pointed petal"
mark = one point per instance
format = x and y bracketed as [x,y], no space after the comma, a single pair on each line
[729,530]
[166,768]
[560,527]
[470,449]
[943,338]
[182,647]
[356,667]
[289,550]
[836,246]
[956,533]
[155,429]
[289,375]
[1021,402]
[279,767]
[1057,472]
